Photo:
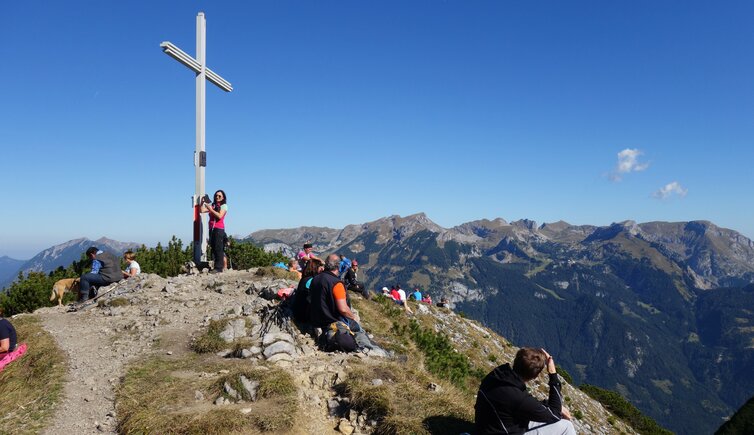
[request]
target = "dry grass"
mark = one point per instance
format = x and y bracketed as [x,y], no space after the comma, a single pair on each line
[276,272]
[30,387]
[404,404]
[209,341]
[158,396]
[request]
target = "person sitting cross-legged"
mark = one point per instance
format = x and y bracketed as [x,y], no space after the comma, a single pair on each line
[503,405]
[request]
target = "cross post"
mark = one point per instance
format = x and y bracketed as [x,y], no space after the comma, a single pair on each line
[199,66]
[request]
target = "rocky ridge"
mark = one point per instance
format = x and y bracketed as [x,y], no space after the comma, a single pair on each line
[149,316]
[711,256]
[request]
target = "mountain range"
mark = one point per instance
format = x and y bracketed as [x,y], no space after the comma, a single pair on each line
[659,311]
[61,255]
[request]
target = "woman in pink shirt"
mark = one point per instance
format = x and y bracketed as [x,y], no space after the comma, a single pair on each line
[217,211]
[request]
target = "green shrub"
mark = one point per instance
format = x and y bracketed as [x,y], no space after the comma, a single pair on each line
[440,357]
[742,422]
[564,374]
[619,406]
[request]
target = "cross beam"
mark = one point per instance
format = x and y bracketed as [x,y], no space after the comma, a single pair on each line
[203,73]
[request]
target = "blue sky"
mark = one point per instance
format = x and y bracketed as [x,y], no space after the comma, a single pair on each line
[344,112]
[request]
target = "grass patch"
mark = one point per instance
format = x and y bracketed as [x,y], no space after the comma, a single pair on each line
[403,404]
[209,341]
[30,387]
[158,396]
[276,272]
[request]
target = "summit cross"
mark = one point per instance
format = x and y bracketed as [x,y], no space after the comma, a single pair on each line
[203,73]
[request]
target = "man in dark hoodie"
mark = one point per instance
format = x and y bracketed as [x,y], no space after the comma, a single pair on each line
[105,271]
[503,406]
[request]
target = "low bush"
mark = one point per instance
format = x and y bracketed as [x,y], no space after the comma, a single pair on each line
[619,406]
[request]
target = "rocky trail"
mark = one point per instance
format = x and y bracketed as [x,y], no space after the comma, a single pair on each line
[148,318]
[149,315]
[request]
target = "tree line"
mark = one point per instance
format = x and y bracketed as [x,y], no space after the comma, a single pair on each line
[31,291]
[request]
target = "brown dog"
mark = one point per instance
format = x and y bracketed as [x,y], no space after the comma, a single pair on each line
[62,286]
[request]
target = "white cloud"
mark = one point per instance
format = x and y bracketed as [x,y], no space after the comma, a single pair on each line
[670,189]
[628,161]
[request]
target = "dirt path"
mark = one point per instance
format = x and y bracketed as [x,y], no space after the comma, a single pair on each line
[160,316]
[96,363]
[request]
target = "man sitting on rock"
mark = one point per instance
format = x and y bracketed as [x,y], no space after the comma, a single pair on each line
[105,271]
[351,280]
[503,406]
[330,310]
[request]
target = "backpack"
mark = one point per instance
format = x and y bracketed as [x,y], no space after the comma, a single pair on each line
[338,336]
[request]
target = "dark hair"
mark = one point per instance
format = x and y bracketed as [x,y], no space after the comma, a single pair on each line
[529,362]
[312,267]
[225,197]
[92,250]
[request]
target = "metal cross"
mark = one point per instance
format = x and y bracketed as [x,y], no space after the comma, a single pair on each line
[203,73]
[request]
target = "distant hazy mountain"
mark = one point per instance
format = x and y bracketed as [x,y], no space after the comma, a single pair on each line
[661,312]
[9,268]
[66,253]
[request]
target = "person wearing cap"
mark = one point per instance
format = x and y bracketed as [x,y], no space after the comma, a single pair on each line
[105,271]
[351,280]
[386,292]
[305,255]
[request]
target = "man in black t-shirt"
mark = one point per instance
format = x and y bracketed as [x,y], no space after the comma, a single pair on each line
[7,337]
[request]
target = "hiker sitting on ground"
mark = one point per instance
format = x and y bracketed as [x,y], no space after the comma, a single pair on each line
[301,298]
[504,406]
[293,267]
[305,255]
[443,302]
[352,282]
[404,300]
[330,311]
[105,271]
[345,264]
[9,351]
[396,296]
[417,295]
[427,299]
[386,292]
[7,337]
[132,267]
